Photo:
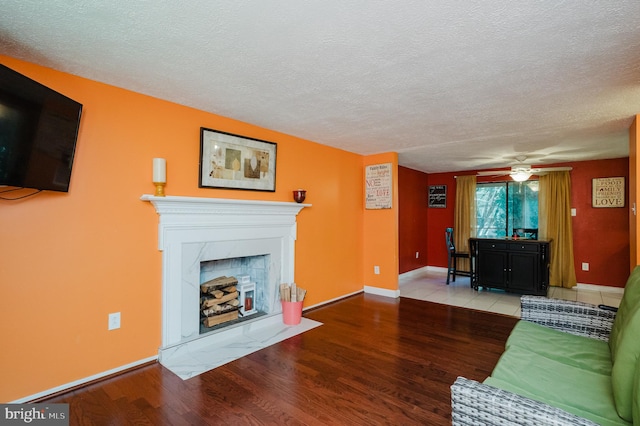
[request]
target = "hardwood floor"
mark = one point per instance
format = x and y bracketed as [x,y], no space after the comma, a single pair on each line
[375,360]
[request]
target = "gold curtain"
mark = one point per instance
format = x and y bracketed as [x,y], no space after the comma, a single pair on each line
[554,223]
[464,221]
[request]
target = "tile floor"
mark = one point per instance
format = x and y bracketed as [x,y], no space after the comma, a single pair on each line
[430,284]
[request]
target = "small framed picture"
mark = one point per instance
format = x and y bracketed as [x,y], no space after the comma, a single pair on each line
[438,196]
[236,162]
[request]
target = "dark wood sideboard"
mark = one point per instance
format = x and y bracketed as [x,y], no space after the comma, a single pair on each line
[515,265]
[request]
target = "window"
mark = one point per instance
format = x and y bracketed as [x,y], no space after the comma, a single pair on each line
[502,207]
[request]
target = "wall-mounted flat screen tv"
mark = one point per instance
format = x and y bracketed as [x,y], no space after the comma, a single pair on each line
[38,133]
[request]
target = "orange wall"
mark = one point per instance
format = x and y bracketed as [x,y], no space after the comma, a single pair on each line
[67,260]
[380,229]
[600,235]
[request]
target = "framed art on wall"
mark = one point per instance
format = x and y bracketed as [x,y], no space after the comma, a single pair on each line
[607,192]
[438,196]
[378,185]
[236,162]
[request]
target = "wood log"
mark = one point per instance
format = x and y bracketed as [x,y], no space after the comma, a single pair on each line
[285,292]
[301,294]
[229,289]
[219,309]
[292,293]
[215,309]
[216,293]
[207,303]
[211,284]
[219,319]
[217,283]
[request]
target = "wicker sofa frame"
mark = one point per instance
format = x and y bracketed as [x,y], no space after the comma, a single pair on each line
[474,403]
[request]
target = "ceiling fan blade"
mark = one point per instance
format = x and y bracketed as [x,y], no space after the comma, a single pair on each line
[525,169]
[494,173]
[550,169]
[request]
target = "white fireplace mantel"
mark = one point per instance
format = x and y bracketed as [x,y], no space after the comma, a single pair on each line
[196,212]
[192,230]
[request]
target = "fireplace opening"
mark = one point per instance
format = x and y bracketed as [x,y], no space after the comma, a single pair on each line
[234,290]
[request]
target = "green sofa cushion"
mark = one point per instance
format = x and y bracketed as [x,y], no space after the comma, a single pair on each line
[624,343]
[581,392]
[579,351]
[636,395]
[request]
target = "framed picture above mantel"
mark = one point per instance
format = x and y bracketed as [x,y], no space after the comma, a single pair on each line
[608,192]
[236,162]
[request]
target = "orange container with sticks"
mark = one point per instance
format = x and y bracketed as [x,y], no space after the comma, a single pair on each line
[291,298]
[291,313]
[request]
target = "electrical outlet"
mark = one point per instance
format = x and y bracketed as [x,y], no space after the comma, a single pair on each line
[585,266]
[417,254]
[376,270]
[114,321]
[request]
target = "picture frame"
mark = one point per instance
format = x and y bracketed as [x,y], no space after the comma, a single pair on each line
[608,192]
[231,161]
[378,186]
[438,196]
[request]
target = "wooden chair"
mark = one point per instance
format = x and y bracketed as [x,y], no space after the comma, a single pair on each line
[453,256]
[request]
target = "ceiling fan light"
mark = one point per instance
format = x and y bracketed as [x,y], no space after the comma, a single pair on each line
[520,176]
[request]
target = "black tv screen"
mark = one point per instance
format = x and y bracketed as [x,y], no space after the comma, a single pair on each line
[38,133]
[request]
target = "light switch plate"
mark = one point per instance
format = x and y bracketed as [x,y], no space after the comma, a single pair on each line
[114,321]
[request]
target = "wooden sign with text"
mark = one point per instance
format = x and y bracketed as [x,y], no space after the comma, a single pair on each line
[379,190]
[438,196]
[608,192]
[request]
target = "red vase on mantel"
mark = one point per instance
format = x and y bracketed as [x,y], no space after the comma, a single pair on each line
[299,195]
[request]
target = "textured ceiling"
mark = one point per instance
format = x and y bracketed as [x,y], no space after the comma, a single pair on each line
[449,85]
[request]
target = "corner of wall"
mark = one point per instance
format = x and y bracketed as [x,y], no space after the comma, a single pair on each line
[380,233]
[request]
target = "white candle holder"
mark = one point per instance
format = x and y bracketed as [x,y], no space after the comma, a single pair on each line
[159,175]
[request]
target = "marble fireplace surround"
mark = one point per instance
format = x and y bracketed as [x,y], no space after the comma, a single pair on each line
[192,230]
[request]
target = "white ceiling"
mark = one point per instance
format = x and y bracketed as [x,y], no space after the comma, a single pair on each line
[449,85]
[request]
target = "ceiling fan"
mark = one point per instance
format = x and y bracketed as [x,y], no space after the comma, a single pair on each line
[522,172]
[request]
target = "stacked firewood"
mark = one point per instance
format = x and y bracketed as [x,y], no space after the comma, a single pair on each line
[219,301]
[292,293]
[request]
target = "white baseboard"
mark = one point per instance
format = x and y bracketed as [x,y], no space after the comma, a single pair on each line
[415,272]
[335,299]
[83,381]
[382,291]
[410,274]
[601,288]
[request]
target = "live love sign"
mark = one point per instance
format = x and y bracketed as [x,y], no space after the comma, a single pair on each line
[608,192]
